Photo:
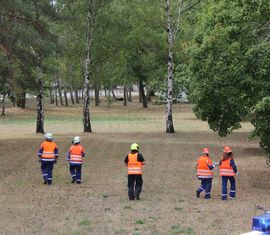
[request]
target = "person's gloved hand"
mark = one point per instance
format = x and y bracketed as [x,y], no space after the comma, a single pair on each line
[237,173]
[55,161]
[39,160]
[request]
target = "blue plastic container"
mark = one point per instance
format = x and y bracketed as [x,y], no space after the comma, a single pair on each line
[262,223]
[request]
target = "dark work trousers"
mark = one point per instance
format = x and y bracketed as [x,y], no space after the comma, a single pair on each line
[47,169]
[206,184]
[76,172]
[135,183]
[224,187]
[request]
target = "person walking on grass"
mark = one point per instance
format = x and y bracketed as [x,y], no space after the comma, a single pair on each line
[227,170]
[134,162]
[75,158]
[48,155]
[205,174]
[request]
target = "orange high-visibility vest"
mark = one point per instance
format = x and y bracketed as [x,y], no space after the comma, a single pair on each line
[225,168]
[203,170]
[48,150]
[134,167]
[76,153]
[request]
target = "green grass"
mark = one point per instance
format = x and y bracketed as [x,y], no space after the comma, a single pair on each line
[85,222]
[139,221]
[73,119]
[177,229]
[104,195]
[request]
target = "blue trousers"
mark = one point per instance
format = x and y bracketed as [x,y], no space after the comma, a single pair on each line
[47,169]
[206,185]
[76,172]
[224,187]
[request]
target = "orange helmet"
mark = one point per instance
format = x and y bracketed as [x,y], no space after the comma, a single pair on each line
[205,150]
[227,149]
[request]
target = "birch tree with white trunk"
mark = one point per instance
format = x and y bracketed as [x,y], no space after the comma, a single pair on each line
[94,7]
[171,36]
[172,28]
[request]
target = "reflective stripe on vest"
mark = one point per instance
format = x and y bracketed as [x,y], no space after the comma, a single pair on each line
[134,167]
[76,154]
[203,170]
[225,168]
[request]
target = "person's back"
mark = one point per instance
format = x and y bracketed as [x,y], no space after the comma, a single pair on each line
[134,161]
[205,174]
[75,157]
[48,155]
[227,170]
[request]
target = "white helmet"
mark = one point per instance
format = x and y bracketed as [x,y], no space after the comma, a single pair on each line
[76,140]
[48,136]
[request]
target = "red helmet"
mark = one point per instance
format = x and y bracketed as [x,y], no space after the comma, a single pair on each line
[227,149]
[205,150]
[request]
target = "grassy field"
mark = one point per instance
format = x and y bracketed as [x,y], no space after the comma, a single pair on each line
[100,204]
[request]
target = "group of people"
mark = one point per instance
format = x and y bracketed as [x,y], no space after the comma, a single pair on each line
[227,170]
[48,155]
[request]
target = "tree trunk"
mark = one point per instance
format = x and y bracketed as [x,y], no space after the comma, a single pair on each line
[59,87]
[109,98]
[148,94]
[142,94]
[4,104]
[105,92]
[21,99]
[97,100]
[125,96]
[129,94]
[71,94]
[55,93]
[13,98]
[114,96]
[40,107]
[169,117]
[81,96]
[88,61]
[65,95]
[77,95]
[51,94]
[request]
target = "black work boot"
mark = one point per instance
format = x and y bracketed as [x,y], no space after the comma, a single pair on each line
[198,194]
[73,180]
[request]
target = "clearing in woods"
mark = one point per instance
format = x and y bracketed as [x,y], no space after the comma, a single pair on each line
[100,204]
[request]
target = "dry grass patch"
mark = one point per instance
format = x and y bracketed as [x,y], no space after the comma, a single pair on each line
[100,205]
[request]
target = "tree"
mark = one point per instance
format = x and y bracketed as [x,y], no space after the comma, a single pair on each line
[230,63]
[25,40]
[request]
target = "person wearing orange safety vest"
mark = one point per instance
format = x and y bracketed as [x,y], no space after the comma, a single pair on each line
[205,174]
[75,158]
[48,155]
[134,162]
[227,170]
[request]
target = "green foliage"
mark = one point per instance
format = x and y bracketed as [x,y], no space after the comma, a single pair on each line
[261,122]
[25,35]
[229,62]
